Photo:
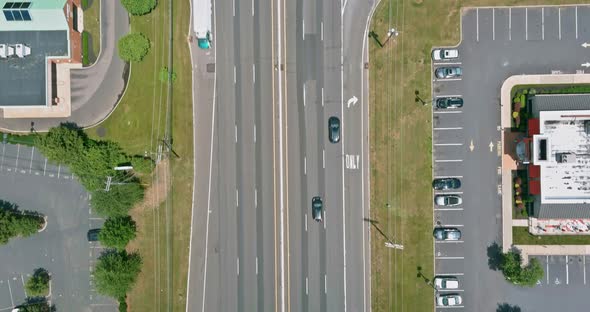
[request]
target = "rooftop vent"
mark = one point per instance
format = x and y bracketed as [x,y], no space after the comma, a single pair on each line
[568,158]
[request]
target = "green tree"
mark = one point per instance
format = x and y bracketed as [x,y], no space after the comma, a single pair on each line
[116,272]
[118,200]
[142,165]
[123,304]
[38,284]
[139,7]
[98,161]
[531,273]
[63,144]
[35,307]
[14,223]
[513,271]
[117,232]
[133,47]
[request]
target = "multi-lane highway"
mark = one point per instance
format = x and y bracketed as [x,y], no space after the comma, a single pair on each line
[282,68]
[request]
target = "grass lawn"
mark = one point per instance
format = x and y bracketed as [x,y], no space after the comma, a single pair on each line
[401,144]
[92,26]
[138,125]
[521,236]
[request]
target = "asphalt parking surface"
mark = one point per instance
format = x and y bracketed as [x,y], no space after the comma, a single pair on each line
[498,43]
[32,183]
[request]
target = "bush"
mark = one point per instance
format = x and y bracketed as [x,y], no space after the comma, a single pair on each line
[116,272]
[42,306]
[118,200]
[14,223]
[97,162]
[85,48]
[117,232]
[38,284]
[133,47]
[516,274]
[122,304]
[139,7]
[142,165]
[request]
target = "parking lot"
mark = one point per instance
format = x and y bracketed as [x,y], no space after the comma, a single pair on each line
[31,182]
[497,43]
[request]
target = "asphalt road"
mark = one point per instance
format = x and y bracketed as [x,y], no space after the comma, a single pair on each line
[496,44]
[263,136]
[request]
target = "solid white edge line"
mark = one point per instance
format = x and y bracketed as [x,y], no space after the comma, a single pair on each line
[450,274]
[449,258]
[448,144]
[342,147]
[281,169]
[448,176]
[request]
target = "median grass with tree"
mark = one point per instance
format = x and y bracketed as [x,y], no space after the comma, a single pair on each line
[15,223]
[116,232]
[133,47]
[38,284]
[116,273]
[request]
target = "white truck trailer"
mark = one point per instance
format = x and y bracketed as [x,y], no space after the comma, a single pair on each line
[202,13]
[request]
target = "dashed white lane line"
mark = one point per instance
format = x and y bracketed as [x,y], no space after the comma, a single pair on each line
[322,31]
[237,198]
[304,94]
[448,144]
[306,222]
[305,165]
[256,265]
[324,159]
[17,154]
[303,29]
[559,14]
[584,262]
[238,265]
[325,222]
[58,171]
[253,73]
[493,24]
[10,291]
[254,133]
[322,96]
[256,198]
[236,132]
[44,166]
[306,286]
[543,23]
[32,156]
[235,76]
[325,284]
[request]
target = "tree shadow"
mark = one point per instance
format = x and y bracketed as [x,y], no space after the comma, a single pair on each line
[8,206]
[494,256]
[374,223]
[505,307]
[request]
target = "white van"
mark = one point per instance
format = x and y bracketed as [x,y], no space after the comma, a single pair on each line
[446,282]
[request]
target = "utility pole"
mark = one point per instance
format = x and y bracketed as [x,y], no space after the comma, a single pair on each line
[108,186]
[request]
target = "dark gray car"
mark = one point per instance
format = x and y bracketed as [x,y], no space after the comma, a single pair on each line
[449,102]
[447,234]
[446,184]
[316,208]
[334,129]
[448,72]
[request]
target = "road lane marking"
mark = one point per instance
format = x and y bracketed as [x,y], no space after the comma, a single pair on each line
[448,144]
[453,307]
[493,24]
[447,193]
[303,29]
[449,258]
[253,72]
[236,132]
[449,242]
[238,265]
[451,290]
[235,77]
[254,133]
[448,160]
[509,23]
[322,31]
[453,225]
[44,166]
[255,197]
[324,159]
[448,112]
[584,262]
[10,290]
[322,96]
[58,171]
[448,209]
[477,22]
[325,284]
[547,261]
[252,7]
[526,23]
[450,274]
[306,286]
[305,165]
[448,176]
[567,270]
[17,154]
[325,220]
[447,79]
[543,23]
[446,63]
[559,11]
[233,5]
[3,152]
[306,222]
[447,128]
[304,94]
[237,198]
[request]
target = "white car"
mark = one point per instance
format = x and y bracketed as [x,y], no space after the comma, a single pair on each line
[445,54]
[448,200]
[446,282]
[448,300]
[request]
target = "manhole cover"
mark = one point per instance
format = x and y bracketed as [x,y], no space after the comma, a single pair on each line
[101,132]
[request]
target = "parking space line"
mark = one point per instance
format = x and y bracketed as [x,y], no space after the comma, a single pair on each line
[493,24]
[543,23]
[3,151]
[58,171]
[448,209]
[10,290]
[32,156]
[584,262]
[449,242]
[477,22]
[448,176]
[450,274]
[547,271]
[509,23]
[45,167]
[449,258]
[448,112]
[448,144]
[567,270]
[451,290]
[451,307]
[17,154]
[447,193]
[526,23]
[449,95]
[448,160]
[452,225]
[447,63]
[448,79]
[559,11]
[448,128]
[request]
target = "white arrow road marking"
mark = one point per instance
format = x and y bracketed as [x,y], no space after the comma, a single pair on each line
[352,101]
[471,146]
[587,64]
[491,146]
[585,44]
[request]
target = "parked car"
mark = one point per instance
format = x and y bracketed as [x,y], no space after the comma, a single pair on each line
[449,102]
[448,200]
[448,300]
[316,208]
[446,234]
[444,54]
[334,129]
[93,235]
[448,72]
[446,184]
[446,282]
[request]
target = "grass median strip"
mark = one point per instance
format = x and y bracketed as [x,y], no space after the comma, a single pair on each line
[401,143]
